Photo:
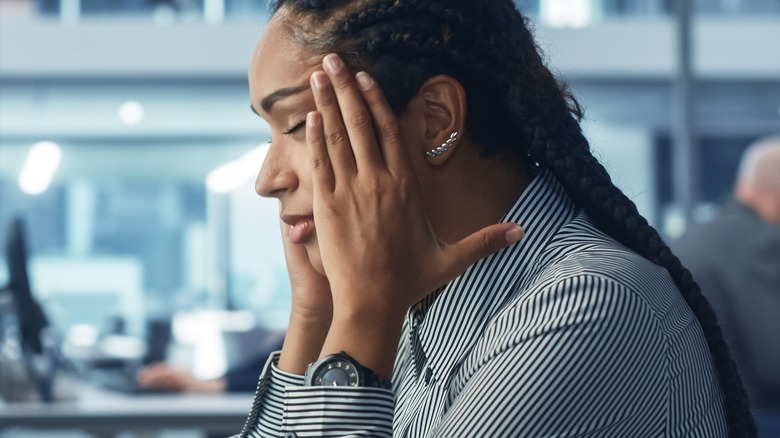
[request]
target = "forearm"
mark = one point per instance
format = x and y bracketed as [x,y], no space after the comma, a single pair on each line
[303,342]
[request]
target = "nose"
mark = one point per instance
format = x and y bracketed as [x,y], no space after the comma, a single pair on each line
[276,176]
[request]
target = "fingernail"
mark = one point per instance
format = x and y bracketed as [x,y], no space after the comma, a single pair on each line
[514,235]
[333,63]
[319,80]
[364,80]
[312,119]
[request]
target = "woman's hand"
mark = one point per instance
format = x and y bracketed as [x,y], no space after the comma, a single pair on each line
[312,310]
[311,297]
[378,249]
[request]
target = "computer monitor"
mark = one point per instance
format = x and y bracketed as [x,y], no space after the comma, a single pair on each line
[32,320]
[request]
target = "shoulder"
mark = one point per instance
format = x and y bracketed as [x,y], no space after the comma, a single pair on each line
[582,258]
[588,277]
[594,311]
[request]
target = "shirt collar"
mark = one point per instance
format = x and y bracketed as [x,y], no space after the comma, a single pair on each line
[464,307]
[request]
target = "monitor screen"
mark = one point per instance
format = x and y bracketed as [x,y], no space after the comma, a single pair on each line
[32,320]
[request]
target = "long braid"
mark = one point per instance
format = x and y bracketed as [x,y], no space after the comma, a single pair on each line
[556,141]
[617,215]
[488,46]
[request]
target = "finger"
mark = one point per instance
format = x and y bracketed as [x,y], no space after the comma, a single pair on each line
[148,374]
[323,180]
[152,381]
[386,125]
[481,244]
[357,119]
[155,375]
[336,139]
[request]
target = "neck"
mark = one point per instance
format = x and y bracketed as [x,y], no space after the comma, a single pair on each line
[470,193]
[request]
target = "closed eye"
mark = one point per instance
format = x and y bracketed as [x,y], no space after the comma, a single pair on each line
[294,128]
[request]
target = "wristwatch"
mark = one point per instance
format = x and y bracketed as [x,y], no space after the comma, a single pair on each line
[341,369]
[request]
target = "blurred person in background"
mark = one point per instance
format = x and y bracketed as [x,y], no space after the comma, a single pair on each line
[735,258]
[242,378]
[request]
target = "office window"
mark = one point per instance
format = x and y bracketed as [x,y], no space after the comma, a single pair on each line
[718,165]
[129,231]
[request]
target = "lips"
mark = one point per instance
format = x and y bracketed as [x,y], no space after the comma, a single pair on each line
[301,228]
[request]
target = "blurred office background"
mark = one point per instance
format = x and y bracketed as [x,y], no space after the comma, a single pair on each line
[128,147]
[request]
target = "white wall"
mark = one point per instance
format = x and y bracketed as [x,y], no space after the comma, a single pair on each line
[724,47]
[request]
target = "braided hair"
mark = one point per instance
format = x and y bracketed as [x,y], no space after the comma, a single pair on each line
[517,110]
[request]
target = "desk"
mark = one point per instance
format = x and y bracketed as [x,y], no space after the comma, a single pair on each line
[106,413]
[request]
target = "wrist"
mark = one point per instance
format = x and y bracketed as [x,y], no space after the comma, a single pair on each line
[303,342]
[370,338]
[310,315]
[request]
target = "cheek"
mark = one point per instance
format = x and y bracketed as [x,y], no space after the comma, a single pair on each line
[296,155]
[303,168]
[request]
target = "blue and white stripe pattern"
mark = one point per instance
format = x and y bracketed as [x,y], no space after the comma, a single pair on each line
[564,334]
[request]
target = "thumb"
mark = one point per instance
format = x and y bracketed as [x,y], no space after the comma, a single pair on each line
[483,243]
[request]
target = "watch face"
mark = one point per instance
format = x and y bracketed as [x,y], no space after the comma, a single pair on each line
[335,372]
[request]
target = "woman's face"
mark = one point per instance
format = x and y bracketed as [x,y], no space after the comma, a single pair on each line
[279,90]
[280,93]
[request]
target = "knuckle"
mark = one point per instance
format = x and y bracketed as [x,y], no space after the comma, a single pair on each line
[336,138]
[485,244]
[360,121]
[391,130]
[376,98]
[320,163]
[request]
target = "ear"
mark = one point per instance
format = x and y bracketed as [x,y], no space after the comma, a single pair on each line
[440,108]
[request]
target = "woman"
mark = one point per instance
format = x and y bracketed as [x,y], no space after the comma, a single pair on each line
[411,142]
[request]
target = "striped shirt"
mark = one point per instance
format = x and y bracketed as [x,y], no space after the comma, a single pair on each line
[566,333]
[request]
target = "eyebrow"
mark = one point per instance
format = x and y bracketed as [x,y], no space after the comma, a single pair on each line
[268,101]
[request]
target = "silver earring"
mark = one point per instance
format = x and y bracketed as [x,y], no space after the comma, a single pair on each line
[444,146]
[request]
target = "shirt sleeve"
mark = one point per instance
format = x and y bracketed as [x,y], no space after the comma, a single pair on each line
[582,358]
[284,407]
[266,417]
[338,412]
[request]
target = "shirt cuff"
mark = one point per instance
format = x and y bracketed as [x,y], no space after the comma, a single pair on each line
[270,397]
[283,377]
[278,381]
[320,411]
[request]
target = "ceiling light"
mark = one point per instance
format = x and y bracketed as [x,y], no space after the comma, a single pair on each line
[131,112]
[42,161]
[565,13]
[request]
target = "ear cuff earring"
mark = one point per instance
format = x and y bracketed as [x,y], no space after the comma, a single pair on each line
[444,146]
